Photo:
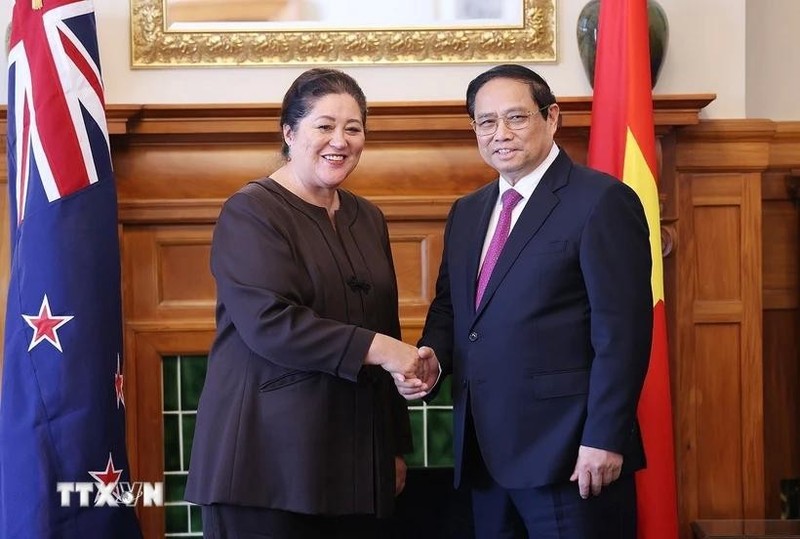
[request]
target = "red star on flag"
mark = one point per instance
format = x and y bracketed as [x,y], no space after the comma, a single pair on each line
[45,325]
[118,381]
[109,476]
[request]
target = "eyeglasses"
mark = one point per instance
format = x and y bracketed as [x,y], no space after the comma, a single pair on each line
[515,120]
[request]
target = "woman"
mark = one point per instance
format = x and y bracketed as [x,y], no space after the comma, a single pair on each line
[300,431]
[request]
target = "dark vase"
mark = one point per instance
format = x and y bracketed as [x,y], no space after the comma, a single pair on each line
[587,37]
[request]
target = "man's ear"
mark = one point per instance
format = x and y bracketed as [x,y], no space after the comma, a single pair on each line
[554,116]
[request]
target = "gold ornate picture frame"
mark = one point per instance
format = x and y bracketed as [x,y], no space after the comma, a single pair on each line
[156,42]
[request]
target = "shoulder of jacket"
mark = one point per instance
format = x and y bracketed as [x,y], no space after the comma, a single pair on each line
[478,194]
[257,189]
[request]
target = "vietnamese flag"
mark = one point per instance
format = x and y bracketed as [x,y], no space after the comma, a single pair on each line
[622,143]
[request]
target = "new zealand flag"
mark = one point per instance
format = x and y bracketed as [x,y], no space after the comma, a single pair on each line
[62,408]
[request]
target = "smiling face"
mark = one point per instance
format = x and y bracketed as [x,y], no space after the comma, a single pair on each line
[513,153]
[326,144]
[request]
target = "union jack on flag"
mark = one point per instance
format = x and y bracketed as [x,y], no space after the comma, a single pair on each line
[62,414]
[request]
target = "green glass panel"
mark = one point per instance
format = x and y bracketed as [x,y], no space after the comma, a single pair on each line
[174,485]
[196,516]
[172,448]
[440,438]
[193,374]
[169,371]
[189,421]
[417,458]
[444,397]
[177,518]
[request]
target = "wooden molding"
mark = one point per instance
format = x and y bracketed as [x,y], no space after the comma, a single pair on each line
[205,211]
[426,119]
[736,145]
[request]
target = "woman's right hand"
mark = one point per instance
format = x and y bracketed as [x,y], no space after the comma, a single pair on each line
[431,371]
[396,357]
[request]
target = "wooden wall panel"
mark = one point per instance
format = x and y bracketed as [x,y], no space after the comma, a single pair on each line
[214,171]
[150,171]
[781,254]
[184,276]
[717,231]
[718,333]
[416,250]
[166,272]
[734,393]
[781,402]
[718,419]
[780,245]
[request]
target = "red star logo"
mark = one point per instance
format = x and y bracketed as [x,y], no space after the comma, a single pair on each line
[45,326]
[109,476]
[118,381]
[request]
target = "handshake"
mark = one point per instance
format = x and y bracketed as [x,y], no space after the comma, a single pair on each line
[415,370]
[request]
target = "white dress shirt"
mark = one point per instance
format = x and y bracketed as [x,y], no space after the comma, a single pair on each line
[525,187]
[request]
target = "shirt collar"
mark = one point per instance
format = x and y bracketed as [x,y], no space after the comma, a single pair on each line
[528,183]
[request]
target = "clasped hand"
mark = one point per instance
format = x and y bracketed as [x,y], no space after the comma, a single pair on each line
[417,384]
[414,370]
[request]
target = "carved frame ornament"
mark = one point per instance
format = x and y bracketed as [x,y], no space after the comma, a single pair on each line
[155,45]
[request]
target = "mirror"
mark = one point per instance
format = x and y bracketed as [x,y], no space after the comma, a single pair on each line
[340,32]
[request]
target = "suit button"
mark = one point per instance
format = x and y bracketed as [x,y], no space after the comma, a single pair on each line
[464,383]
[473,336]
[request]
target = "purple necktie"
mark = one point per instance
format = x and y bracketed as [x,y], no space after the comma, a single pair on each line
[510,199]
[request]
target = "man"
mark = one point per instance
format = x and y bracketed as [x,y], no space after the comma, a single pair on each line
[546,329]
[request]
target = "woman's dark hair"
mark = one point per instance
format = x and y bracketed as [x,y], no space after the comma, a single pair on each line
[309,87]
[540,91]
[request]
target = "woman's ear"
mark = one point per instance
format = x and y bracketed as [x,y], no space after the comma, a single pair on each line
[288,134]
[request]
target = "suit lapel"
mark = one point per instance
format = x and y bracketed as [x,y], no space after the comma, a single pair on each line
[534,215]
[484,204]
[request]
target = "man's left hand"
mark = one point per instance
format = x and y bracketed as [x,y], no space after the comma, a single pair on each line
[595,469]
